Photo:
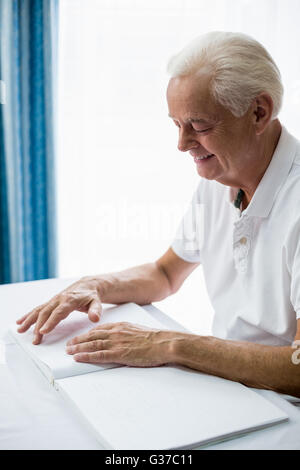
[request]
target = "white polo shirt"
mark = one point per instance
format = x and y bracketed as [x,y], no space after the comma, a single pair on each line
[251,259]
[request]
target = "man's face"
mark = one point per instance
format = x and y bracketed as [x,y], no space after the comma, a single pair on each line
[208,129]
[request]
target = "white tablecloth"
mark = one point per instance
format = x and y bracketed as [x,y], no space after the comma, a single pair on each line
[34,416]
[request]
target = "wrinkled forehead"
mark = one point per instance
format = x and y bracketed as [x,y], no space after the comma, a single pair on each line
[191,96]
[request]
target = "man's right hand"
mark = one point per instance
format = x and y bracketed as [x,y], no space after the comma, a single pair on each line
[82,296]
[143,284]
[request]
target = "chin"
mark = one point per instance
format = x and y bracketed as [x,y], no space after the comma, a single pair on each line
[207,176]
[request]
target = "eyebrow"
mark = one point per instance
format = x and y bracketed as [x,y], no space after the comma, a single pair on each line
[198,120]
[204,121]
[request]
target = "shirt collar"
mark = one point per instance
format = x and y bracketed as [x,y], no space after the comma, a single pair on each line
[273,178]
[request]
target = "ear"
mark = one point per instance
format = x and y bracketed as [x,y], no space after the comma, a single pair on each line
[262,112]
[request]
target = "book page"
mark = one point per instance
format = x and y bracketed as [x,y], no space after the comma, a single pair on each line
[165,407]
[51,356]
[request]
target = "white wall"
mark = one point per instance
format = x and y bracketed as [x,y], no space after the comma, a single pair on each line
[122,183]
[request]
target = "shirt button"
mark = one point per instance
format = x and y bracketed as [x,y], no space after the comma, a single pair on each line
[243,241]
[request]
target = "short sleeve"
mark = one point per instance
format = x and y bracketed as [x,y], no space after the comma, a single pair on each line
[188,240]
[294,266]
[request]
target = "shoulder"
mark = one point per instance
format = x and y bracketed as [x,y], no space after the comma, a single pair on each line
[291,187]
[297,156]
[290,201]
[297,142]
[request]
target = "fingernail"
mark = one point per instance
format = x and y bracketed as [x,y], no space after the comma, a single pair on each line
[78,357]
[35,339]
[43,329]
[70,349]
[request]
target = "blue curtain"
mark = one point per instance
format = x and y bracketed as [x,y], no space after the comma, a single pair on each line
[28,60]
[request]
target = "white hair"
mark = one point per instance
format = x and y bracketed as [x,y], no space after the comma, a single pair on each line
[241,69]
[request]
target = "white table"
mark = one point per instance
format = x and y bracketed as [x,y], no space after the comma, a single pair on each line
[34,416]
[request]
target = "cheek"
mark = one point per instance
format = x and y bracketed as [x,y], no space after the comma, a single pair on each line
[223,149]
[215,145]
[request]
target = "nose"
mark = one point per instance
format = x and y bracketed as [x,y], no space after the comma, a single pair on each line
[186,141]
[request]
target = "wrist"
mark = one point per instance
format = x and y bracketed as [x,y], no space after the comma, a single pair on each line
[191,350]
[178,345]
[98,283]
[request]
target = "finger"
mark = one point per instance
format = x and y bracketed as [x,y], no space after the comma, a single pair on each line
[95,310]
[45,314]
[90,346]
[58,314]
[37,338]
[30,319]
[33,311]
[41,319]
[92,335]
[99,357]
[20,320]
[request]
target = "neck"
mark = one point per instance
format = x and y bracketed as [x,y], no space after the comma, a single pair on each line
[266,148]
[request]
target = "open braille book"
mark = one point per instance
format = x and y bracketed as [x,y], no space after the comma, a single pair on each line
[167,407]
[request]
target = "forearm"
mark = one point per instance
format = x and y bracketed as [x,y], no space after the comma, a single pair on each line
[140,284]
[255,365]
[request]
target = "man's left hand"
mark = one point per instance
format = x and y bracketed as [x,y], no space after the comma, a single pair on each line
[123,343]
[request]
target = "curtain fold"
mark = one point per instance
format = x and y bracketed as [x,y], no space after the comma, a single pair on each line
[28,62]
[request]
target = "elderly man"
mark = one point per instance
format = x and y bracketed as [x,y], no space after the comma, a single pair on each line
[224,96]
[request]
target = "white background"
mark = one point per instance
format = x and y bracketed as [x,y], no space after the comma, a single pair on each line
[122,183]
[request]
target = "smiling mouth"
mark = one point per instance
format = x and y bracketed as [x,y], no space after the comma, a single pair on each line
[203,157]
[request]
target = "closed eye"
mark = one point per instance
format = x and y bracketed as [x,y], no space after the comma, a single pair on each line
[203,131]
